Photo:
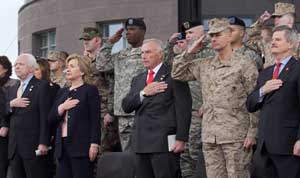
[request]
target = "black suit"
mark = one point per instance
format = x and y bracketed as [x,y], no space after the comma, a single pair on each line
[279,126]
[3,140]
[8,87]
[84,128]
[28,129]
[156,117]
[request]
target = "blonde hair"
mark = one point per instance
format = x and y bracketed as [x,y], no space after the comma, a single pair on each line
[84,64]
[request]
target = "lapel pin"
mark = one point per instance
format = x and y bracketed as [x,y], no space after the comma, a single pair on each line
[162,77]
[287,69]
[31,87]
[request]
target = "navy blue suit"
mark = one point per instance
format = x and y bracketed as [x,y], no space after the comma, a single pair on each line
[84,129]
[279,126]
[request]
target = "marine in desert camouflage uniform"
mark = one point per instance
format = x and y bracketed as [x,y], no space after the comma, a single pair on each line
[228,130]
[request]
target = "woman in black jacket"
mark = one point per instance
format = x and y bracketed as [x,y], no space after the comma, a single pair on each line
[6,85]
[77,110]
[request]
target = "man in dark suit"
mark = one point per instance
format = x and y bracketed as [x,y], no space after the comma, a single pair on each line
[162,108]
[29,132]
[277,96]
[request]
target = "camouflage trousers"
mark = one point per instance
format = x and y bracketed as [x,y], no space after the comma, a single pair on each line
[125,132]
[227,160]
[191,153]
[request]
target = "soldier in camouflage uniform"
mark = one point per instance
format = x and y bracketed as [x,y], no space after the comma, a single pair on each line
[228,130]
[56,60]
[238,28]
[284,15]
[104,81]
[192,31]
[126,64]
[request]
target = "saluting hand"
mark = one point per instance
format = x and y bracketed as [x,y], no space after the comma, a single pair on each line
[155,88]
[173,37]
[116,37]
[196,45]
[265,16]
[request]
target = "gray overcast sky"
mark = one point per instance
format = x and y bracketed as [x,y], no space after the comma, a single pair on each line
[9,27]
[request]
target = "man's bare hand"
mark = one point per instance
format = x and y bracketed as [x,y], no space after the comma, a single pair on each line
[94,148]
[3,131]
[271,85]
[173,37]
[200,112]
[154,88]
[19,103]
[116,37]
[249,142]
[107,119]
[264,17]
[179,146]
[296,150]
[196,45]
[43,149]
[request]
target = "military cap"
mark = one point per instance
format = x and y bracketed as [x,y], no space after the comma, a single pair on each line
[233,20]
[135,22]
[217,25]
[282,8]
[190,24]
[181,36]
[89,33]
[57,55]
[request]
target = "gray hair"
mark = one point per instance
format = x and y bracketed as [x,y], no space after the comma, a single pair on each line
[30,59]
[289,34]
[159,44]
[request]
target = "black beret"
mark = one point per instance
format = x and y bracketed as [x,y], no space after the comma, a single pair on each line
[135,22]
[233,20]
[189,24]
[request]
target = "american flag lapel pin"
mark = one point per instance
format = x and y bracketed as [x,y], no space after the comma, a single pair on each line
[287,69]
[162,77]
[31,88]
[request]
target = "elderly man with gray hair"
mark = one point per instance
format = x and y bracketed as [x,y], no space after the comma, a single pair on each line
[162,115]
[29,132]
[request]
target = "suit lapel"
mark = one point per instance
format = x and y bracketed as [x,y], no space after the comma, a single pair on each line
[287,69]
[29,88]
[161,74]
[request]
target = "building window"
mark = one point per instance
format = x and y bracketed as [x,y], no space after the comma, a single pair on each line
[108,29]
[47,41]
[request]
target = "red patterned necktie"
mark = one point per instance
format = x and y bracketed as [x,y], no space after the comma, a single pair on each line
[276,71]
[150,77]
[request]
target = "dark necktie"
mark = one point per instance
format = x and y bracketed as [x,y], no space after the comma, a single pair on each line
[276,71]
[150,77]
